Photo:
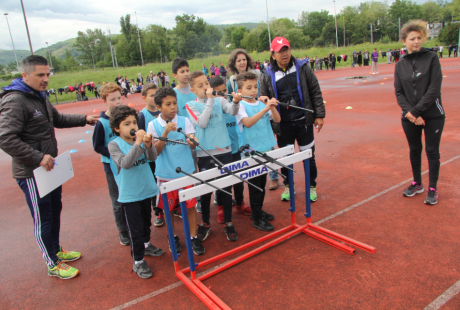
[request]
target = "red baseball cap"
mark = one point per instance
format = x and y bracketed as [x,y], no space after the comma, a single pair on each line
[278,43]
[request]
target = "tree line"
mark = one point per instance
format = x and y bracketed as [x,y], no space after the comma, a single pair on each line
[192,37]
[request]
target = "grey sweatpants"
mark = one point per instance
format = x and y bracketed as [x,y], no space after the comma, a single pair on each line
[116,206]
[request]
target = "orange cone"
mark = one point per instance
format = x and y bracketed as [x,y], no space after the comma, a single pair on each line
[95,111]
[356,82]
[382,83]
[130,104]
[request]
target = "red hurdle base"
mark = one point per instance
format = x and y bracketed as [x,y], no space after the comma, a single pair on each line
[195,284]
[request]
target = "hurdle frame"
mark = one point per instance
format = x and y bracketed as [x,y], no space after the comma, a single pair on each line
[194,282]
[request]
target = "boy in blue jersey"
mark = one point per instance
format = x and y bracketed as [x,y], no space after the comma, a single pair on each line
[148,114]
[181,72]
[254,119]
[136,185]
[207,114]
[218,84]
[102,135]
[173,155]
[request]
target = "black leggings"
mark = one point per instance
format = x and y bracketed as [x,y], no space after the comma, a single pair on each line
[433,130]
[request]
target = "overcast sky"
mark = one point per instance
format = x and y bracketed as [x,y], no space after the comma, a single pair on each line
[57,20]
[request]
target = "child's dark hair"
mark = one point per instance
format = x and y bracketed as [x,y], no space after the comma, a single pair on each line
[119,114]
[194,75]
[216,82]
[247,76]
[162,93]
[147,87]
[179,63]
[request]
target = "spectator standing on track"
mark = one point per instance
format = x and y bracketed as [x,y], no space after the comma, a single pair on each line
[333,61]
[418,79]
[292,81]
[360,59]
[441,48]
[375,60]
[389,56]
[27,134]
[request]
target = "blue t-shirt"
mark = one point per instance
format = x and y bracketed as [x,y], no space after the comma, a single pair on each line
[233,132]
[173,154]
[260,136]
[215,134]
[182,101]
[136,183]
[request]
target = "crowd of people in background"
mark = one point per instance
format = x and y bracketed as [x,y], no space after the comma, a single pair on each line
[316,63]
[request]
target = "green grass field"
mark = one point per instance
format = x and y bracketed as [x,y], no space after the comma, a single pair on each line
[109,74]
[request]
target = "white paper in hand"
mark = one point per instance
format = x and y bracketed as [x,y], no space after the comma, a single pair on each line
[47,181]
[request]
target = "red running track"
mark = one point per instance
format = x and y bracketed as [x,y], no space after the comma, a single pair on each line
[361,154]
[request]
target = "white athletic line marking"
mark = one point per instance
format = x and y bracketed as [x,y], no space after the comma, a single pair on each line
[376,195]
[158,292]
[179,283]
[444,297]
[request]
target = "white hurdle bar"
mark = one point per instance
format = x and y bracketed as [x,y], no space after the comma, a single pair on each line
[213,173]
[228,180]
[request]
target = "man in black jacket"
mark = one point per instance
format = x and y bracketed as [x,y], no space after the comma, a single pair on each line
[293,82]
[27,122]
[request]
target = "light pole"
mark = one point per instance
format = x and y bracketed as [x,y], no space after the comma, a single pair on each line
[372,37]
[27,28]
[139,36]
[14,49]
[268,24]
[92,56]
[336,33]
[399,27]
[51,63]
[344,30]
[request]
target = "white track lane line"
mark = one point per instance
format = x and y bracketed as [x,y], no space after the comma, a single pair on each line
[447,296]
[444,297]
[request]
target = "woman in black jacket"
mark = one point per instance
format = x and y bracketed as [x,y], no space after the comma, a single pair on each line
[418,79]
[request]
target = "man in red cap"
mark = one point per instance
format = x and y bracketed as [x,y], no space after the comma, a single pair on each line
[292,81]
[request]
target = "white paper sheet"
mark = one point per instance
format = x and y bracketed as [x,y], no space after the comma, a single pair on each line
[47,181]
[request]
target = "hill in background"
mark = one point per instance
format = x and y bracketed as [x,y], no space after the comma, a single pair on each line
[58,49]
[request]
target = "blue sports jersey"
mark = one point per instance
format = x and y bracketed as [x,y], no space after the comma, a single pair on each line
[173,154]
[136,183]
[260,136]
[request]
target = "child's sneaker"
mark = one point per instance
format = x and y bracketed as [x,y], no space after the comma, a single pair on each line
[286,195]
[142,270]
[67,256]
[176,242]
[413,190]
[313,194]
[124,238]
[267,216]
[263,224]
[63,271]
[230,231]
[198,206]
[220,214]
[432,197]
[197,247]
[153,251]
[203,231]
[159,220]
[243,209]
[178,212]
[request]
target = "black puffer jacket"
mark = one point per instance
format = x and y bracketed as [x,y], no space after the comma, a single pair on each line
[418,79]
[312,96]
[27,124]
